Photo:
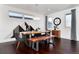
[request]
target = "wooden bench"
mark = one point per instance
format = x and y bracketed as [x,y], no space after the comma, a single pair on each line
[40,38]
[37,40]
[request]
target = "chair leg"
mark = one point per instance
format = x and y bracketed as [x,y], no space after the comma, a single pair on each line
[18,45]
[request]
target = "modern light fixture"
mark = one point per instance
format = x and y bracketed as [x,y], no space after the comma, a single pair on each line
[49,9]
[36,18]
[50,19]
[36,4]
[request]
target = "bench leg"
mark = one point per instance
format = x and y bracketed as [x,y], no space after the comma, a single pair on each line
[48,41]
[30,44]
[37,46]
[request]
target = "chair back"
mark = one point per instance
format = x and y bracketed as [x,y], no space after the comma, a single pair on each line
[18,37]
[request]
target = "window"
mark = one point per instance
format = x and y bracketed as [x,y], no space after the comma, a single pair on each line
[68,20]
[28,17]
[14,14]
[50,23]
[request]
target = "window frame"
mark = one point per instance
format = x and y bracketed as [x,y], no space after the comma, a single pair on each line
[28,17]
[49,28]
[18,17]
[66,20]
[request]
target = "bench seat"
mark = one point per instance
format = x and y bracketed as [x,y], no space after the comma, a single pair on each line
[40,38]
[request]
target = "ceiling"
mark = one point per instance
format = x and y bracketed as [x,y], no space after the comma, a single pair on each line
[44,9]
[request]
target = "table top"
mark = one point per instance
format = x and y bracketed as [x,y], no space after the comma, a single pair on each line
[33,32]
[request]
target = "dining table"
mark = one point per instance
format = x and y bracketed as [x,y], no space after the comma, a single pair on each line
[36,40]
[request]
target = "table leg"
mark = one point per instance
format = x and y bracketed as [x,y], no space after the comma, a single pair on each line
[51,41]
[30,39]
[37,46]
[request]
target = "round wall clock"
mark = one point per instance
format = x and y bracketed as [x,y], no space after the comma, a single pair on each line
[57,21]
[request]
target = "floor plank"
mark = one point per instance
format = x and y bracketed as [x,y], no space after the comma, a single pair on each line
[63,46]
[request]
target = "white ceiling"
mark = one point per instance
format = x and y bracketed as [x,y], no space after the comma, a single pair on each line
[44,9]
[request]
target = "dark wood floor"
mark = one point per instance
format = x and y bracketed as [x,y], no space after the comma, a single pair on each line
[63,46]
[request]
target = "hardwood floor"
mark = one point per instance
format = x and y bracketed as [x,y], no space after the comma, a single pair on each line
[63,46]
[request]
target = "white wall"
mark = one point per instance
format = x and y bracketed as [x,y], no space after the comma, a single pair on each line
[77,22]
[8,24]
[66,32]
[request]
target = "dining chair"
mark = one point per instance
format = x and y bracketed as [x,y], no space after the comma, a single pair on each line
[19,39]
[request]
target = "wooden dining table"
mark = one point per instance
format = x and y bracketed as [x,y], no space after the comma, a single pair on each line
[36,39]
[33,32]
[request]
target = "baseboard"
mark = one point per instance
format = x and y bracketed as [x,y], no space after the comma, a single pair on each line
[7,40]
